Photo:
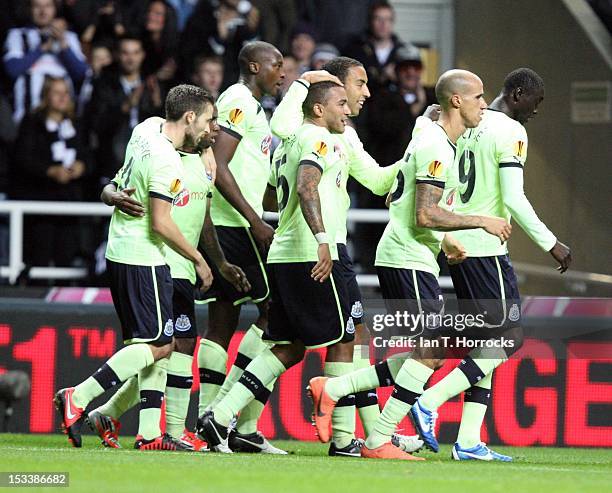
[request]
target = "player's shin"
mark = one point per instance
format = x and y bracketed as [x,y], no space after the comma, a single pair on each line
[250,346]
[473,368]
[151,384]
[366,401]
[212,363]
[475,404]
[178,392]
[343,417]
[247,421]
[409,384]
[122,365]
[124,399]
[260,373]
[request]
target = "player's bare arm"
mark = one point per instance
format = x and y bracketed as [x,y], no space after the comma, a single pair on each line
[122,200]
[430,215]
[270,199]
[163,225]
[224,149]
[308,179]
[209,242]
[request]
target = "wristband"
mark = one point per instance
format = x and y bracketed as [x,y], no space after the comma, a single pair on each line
[321,238]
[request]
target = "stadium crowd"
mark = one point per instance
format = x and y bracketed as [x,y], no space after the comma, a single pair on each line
[79,75]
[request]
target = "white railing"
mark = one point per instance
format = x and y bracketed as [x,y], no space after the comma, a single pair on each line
[17,209]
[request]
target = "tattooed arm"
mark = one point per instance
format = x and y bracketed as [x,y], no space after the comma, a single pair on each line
[308,179]
[430,215]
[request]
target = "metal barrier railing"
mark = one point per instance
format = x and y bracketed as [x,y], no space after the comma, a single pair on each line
[17,209]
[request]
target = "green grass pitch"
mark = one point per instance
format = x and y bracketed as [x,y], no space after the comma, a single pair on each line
[307,469]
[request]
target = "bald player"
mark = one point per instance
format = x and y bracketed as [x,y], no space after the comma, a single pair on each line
[491,182]
[242,153]
[421,205]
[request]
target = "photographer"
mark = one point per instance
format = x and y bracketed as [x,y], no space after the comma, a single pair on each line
[45,48]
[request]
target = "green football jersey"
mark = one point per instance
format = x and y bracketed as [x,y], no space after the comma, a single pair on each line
[497,141]
[188,213]
[430,158]
[363,168]
[153,167]
[293,240]
[241,115]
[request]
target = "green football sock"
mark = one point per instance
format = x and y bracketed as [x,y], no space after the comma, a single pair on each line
[125,363]
[366,401]
[151,384]
[260,373]
[247,421]
[474,367]
[250,346]
[409,384]
[343,417]
[366,378]
[124,399]
[178,392]
[212,362]
[474,409]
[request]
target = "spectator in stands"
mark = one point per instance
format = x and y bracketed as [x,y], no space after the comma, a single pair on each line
[335,21]
[159,35]
[208,74]
[277,23]
[45,48]
[101,24]
[393,110]
[49,165]
[376,48]
[100,56]
[122,98]
[290,66]
[323,53]
[219,27]
[183,10]
[303,42]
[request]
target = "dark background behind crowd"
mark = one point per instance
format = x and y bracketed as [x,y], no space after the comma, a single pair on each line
[79,75]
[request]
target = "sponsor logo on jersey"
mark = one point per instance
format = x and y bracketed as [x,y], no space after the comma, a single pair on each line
[357,310]
[338,150]
[514,314]
[183,324]
[236,116]
[519,149]
[320,148]
[182,199]
[169,328]
[435,168]
[339,179]
[175,186]
[266,143]
[350,326]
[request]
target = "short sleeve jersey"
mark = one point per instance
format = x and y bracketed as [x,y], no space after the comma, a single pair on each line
[315,146]
[153,167]
[241,115]
[430,159]
[498,141]
[188,213]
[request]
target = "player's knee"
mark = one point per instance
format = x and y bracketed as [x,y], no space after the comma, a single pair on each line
[185,345]
[362,335]
[163,350]
[289,354]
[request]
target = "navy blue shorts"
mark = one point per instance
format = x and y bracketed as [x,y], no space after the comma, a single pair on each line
[488,286]
[408,291]
[183,308]
[347,271]
[142,296]
[318,314]
[240,249]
